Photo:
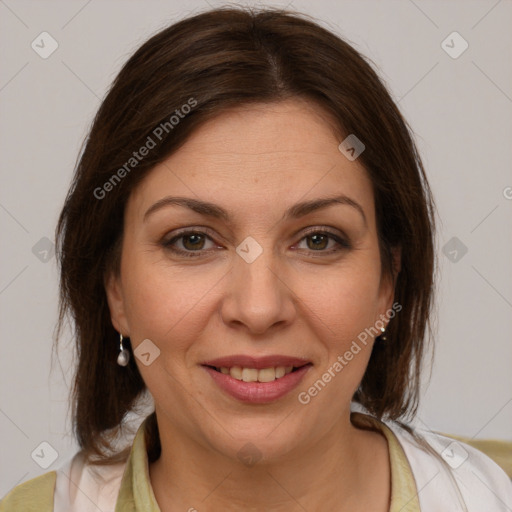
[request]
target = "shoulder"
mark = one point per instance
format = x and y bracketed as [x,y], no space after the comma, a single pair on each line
[84,487]
[74,487]
[451,471]
[35,495]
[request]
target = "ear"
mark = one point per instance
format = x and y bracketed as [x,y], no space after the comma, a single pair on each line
[388,282]
[396,262]
[116,304]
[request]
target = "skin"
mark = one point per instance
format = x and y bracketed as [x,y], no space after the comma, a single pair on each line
[294,300]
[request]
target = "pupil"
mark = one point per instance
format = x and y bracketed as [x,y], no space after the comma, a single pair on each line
[318,240]
[194,242]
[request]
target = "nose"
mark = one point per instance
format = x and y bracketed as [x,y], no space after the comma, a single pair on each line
[259,295]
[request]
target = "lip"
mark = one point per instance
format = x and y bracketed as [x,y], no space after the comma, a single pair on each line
[258,392]
[258,363]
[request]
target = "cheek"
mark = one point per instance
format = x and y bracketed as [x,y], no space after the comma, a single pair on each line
[344,301]
[166,303]
[171,305]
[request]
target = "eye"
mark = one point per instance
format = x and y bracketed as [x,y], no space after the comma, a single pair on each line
[318,241]
[193,243]
[190,241]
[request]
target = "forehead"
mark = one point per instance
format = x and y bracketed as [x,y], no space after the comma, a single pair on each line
[259,156]
[292,125]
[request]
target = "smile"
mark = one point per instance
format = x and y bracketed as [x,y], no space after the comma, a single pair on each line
[257,380]
[255,375]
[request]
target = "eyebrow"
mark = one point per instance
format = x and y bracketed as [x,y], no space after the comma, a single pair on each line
[294,212]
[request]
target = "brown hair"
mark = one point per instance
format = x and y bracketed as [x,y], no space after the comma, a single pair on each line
[222,59]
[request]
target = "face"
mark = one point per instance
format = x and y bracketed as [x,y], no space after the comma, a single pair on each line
[252,280]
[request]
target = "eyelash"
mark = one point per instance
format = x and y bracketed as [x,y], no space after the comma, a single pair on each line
[168,244]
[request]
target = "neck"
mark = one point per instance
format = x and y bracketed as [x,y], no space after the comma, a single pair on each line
[340,471]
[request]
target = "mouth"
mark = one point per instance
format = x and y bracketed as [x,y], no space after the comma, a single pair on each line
[245,374]
[257,380]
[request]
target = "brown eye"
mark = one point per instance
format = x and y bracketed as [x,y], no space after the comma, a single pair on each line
[188,243]
[318,241]
[193,241]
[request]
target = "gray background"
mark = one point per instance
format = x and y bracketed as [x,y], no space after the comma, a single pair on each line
[460,110]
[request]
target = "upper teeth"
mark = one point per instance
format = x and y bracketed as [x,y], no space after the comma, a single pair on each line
[255,375]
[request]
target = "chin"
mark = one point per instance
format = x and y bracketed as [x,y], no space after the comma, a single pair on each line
[265,440]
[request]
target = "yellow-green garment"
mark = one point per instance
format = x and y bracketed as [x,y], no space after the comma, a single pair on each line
[136,494]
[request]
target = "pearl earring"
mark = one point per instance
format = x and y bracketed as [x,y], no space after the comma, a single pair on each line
[382,337]
[124,355]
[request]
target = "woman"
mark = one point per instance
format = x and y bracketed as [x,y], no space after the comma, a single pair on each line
[249,238]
